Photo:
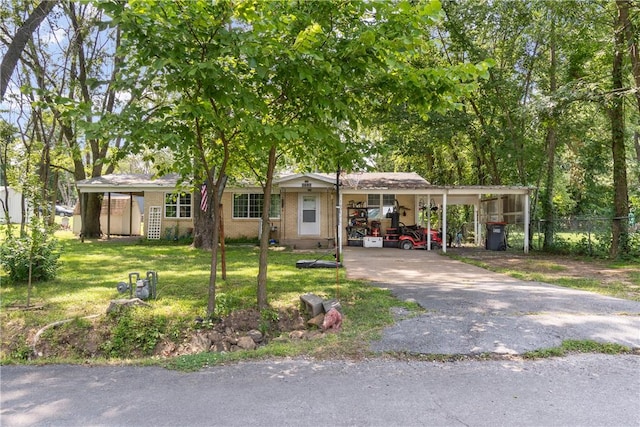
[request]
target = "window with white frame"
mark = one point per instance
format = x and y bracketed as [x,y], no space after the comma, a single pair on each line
[177,205]
[249,205]
[379,205]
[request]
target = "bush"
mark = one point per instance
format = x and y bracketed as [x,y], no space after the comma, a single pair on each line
[39,249]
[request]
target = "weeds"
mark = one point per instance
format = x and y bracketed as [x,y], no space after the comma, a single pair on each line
[577,346]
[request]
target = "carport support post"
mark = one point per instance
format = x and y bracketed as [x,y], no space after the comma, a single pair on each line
[428,213]
[526,223]
[444,222]
[476,221]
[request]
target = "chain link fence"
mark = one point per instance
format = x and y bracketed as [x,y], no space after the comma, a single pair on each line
[575,235]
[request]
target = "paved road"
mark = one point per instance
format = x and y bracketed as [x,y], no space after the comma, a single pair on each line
[470,310]
[585,390]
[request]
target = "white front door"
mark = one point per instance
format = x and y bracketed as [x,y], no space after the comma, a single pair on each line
[309,215]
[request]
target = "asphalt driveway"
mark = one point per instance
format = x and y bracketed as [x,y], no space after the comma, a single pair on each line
[470,310]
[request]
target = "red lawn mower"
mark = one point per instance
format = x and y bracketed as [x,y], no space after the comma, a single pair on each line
[415,237]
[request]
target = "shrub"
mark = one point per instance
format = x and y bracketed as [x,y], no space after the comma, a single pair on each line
[40,249]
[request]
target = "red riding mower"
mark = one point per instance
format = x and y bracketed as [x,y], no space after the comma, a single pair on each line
[415,237]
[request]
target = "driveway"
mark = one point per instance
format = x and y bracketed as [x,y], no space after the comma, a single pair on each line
[470,310]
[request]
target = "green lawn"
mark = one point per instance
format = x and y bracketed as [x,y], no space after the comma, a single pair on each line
[90,272]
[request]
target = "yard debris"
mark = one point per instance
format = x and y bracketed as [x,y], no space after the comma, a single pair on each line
[324,314]
[332,320]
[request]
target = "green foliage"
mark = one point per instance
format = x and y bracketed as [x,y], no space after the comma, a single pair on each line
[136,332]
[226,303]
[40,250]
[20,351]
[268,317]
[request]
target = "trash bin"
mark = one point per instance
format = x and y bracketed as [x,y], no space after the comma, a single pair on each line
[496,240]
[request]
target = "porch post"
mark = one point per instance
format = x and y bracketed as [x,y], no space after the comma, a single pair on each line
[108,215]
[444,221]
[526,223]
[130,214]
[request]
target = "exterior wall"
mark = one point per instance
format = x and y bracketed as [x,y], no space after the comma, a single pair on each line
[177,226]
[235,228]
[290,216]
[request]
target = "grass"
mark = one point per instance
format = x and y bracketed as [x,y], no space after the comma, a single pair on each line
[90,272]
[578,346]
[548,271]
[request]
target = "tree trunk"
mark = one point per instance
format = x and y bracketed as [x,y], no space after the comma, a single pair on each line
[203,221]
[619,242]
[551,144]
[266,228]
[91,227]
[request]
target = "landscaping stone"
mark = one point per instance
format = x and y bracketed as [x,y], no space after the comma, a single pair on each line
[246,343]
[256,336]
[316,320]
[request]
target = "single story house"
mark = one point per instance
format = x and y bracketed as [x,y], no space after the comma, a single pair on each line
[313,210]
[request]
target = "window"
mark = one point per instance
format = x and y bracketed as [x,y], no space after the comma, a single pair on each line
[177,205]
[250,205]
[380,205]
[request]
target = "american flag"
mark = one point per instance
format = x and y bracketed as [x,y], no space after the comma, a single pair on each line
[203,200]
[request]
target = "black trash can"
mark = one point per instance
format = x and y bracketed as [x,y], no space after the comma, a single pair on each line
[496,237]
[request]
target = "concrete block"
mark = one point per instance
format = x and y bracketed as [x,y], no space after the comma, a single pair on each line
[329,304]
[312,304]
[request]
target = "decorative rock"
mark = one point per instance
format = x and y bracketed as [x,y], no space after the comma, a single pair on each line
[246,343]
[256,336]
[200,343]
[316,321]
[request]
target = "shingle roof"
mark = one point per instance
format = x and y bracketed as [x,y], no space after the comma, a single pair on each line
[382,180]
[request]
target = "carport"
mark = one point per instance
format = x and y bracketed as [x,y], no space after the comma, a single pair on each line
[499,204]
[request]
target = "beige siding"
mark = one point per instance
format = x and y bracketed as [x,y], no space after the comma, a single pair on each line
[184,225]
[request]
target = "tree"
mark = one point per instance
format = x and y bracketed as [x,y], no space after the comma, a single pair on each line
[68,96]
[19,42]
[619,243]
[250,81]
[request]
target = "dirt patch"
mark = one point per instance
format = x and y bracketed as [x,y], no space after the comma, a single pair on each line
[119,335]
[623,282]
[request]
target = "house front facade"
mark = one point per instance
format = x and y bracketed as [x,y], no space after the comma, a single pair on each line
[314,210]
